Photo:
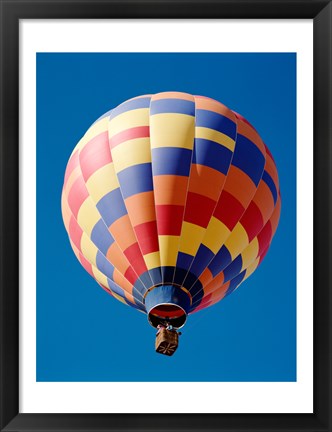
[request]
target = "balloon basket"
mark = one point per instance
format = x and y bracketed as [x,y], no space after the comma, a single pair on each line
[167,342]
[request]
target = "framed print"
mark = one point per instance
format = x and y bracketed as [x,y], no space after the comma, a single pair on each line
[165,216]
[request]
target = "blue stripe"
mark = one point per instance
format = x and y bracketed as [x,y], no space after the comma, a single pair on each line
[268,180]
[134,305]
[130,105]
[167,273]
[233,269]
[156,275]
[135,179]
[203,257]
[235,283]
[114,287]
[248,158]
[180,275]
[111,207]
[146,279]
[104,265]
[193,284]
[190,280]
[140,287]
[184,260]
[178,106]
[101,237]
[197,294]
[212,154]
[218,122]
[220,261]
[138,298]
[107,114]
[171,160]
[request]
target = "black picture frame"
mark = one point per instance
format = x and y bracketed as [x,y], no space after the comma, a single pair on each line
[14,10]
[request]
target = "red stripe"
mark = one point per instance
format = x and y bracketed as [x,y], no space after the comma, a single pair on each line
[229,210]
[147,236]
[105,289]
[169,219]
[130,275]
[269,153]
[72,164]
[129,134]
[200,307]
[77,195]
[252,221]
[205,301]
[75,233]
[95,155]
[264,238]
[199,209]
[134,256]
[263,255]
[85,263]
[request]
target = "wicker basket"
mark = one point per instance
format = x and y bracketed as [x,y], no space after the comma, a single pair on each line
[167,342]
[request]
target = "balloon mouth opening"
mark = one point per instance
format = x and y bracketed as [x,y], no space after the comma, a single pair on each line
[167,304]
[167,313]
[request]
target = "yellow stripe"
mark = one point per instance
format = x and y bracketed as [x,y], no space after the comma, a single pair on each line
[66,212]
[121,299]
[88,216]
[191,238]
[96,129]
[251,269]
[129,153]
[102,182]
[152,260]
[216,136]
[127,120]
[215,235]
[250,253]
[89,250]
[100,277]
[237,241]
[169,247]
[172,130]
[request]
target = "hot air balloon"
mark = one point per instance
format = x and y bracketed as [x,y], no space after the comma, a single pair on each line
[170,202]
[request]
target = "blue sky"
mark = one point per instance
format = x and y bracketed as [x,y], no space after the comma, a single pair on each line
[83,334]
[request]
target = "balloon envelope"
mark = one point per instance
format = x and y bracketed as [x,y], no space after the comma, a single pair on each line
[170,202]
